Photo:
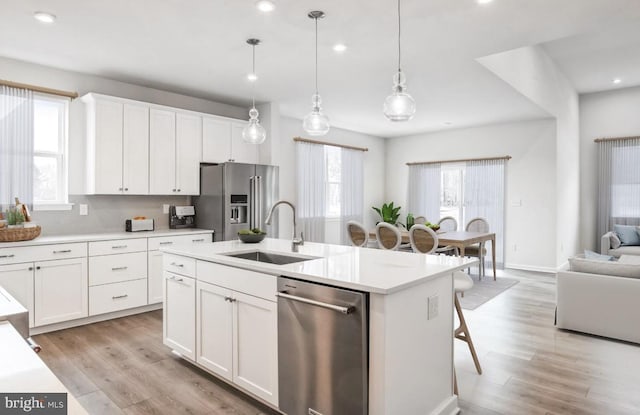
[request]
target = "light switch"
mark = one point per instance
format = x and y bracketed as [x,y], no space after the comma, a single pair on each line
[433,307]
[165,209]
[84,210]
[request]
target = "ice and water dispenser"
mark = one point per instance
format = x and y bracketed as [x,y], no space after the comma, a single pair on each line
[239,205]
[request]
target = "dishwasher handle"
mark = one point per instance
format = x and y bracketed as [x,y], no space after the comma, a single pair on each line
[343,310]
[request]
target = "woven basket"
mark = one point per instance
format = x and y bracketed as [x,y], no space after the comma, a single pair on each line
[19,234]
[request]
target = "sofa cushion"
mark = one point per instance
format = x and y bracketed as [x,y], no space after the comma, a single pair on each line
[625,250]
[628,234]
[614,240]
[596,256]
[590,266]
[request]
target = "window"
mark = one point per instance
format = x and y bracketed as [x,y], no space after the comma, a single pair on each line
[451,192]
[333,185]
[50,116]
[625,182]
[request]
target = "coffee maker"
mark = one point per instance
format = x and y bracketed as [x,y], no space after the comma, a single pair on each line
[182,217]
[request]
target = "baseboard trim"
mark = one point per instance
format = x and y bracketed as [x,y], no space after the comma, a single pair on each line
[93,319]
[563,267]
[447,407]
[523,267]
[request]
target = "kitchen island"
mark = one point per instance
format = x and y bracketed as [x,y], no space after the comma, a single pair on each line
[221,313]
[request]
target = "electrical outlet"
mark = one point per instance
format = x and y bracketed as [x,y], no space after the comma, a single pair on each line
[165,208]
[83,210]
[432,307]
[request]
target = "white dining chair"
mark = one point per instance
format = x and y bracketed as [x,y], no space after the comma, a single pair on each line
[388,236]
[358,235]
[477,250]
[461,283]
[424,240]
[420,220]
[448,224]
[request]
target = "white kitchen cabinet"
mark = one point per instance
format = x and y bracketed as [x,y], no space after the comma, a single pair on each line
[179,314]
[216,140]
[18,281]
[155,277]
[117,146]
[162,152]
[60,290]
[174,152]
[214,329]
[241,151]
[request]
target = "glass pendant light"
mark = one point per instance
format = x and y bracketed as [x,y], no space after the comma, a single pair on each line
[399,106]
[316,123]
[253,132]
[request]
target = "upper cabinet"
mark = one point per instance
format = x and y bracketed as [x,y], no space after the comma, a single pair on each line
[222,141]
[117,147]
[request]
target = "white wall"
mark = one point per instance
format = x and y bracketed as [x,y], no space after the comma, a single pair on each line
[532,72]
[613,113]
[283,155]
[531,227]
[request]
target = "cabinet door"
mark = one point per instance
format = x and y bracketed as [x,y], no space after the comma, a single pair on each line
[107,155]
[154,285]
[188,147]
[242,152]
[214,329]
[179,314]
[61,290]
[255,341]
[18,281]
[216,140]
[162,152]
[135,154]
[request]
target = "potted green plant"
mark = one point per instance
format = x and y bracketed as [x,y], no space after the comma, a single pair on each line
[388,213]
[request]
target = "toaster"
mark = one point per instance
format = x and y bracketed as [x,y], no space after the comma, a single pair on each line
[137,225]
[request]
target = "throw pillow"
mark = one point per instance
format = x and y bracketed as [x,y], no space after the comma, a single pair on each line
[627,234]
[614,241]
[596,256]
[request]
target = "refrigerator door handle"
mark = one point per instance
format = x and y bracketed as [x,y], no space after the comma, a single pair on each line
[252,202]
[259,207]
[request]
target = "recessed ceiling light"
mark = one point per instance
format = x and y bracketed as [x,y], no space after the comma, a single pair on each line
[484,1]
[265,6]
[617,81]
[252,77]
[44,17]
[339,47]
[447,123]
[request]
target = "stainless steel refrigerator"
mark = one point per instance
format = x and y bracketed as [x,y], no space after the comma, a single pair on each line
[236,196]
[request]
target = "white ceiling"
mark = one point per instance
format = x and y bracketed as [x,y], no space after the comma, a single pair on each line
[593,60]
[197,47]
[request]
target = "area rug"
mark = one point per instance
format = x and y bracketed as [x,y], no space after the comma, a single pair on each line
[485,290]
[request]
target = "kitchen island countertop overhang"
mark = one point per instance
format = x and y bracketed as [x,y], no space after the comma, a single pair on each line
[363,269]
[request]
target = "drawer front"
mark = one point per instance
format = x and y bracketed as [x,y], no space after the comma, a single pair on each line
[42,253]
[118,246]
[107,269]
[167,241]
[179,265]
[118,296]
[248,282]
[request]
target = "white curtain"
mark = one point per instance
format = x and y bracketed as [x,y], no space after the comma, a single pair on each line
[618,184]
[484,184]
[351,192]
[16,146]
[423,198]
[311,190]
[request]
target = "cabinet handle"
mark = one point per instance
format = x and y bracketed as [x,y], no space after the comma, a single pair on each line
[119,268]
[166,243]
[30,269]
[174,278]
[64,251]
[198,240]
[229,299]
[7,256]
[120,188]
[119,247]
[177,265]
[120,296]
[179,189]
[38,267]
[126,189]
[173,190]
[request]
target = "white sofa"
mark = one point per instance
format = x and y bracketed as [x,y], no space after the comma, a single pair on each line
[601,298]
[607,243]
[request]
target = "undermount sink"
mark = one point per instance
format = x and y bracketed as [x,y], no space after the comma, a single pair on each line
[269,258]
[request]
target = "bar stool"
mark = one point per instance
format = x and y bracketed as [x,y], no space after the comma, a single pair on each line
[461,283]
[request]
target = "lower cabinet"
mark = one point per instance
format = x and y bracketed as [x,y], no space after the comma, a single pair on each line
[18,281]
[154,293]
[60,291]
[179,314]
[236,338]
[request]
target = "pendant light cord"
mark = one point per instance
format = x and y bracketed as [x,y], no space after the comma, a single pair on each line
[399,33]
[316,19]
[253,71]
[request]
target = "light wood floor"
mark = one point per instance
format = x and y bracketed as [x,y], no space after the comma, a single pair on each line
[529,367]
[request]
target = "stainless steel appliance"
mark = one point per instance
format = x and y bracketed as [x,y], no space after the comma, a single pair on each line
[236,196]
[139,225]
[182,217]
[323,349]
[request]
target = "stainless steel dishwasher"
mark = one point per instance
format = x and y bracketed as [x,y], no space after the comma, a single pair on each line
[323,350]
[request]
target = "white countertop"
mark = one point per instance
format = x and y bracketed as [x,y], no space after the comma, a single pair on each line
[22,371]
[91,237]
[364,269]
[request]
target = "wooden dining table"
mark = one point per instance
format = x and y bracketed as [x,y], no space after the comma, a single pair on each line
[459,239]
